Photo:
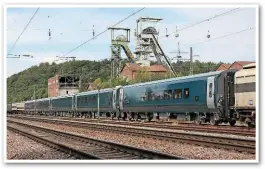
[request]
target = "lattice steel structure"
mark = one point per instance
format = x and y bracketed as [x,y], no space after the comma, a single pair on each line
[117,43]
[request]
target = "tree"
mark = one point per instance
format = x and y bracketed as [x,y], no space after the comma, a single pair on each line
[20,86]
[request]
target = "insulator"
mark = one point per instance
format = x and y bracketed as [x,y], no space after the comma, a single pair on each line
[177,35]
[208,35]
[93,31]
[166,33]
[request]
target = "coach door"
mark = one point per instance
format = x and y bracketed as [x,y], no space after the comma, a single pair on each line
[73,103]
[210,92]
[114,96]
[121,98]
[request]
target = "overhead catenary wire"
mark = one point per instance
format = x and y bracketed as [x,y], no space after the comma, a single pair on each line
[202,21]
[103,32]
[223,36]
[23,30]
[37,29]
[219,37]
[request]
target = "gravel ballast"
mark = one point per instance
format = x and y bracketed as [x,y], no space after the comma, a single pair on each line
[20,147]
[175,148]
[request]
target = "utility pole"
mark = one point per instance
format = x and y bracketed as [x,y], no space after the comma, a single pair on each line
[34,99]
[98,103]
[178,53]
[191,60]
[191,65]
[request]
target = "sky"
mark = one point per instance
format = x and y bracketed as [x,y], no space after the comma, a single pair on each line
[70,27]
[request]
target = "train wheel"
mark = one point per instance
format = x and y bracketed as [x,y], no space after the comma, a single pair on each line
[124,117]
[150,116]
[157,116]
[213,120]
[249,124]
[198,120]
[232,122]
[90,115]
[132,114]
[112,115]
[138,116]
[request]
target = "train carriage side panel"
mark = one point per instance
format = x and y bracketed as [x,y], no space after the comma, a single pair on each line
[105,100]
[245,92]
[224,92]
[42,105]
[186,94]
[20,107]
[88,101]
[30,106]
[9,107]
[63,103]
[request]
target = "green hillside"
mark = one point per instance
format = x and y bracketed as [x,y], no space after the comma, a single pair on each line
[20,87]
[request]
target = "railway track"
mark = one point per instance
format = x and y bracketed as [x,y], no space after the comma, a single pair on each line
[237,144]
[242,131]
[84,147]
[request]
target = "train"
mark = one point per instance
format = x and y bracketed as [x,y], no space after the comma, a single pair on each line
[15,108]
[245,94]
[214,97]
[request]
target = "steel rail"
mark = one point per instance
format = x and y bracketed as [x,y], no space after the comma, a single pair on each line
[207,129]
[53,144]
[94,148]
[237,144]
[242,131]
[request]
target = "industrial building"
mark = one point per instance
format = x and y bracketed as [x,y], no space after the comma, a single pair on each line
[61,85]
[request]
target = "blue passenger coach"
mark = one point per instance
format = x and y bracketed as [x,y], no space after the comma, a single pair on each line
[192,97]
[87,102]
[63,104]
[204,97]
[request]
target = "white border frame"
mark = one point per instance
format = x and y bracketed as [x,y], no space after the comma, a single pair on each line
[131,5]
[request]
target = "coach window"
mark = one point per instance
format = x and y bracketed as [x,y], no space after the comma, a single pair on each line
[143,97]
[167,94]
[210,89]
[177,93]
[186,93]
[149,95]
[86,99]
[153,96]
[162,96]
[78,100]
